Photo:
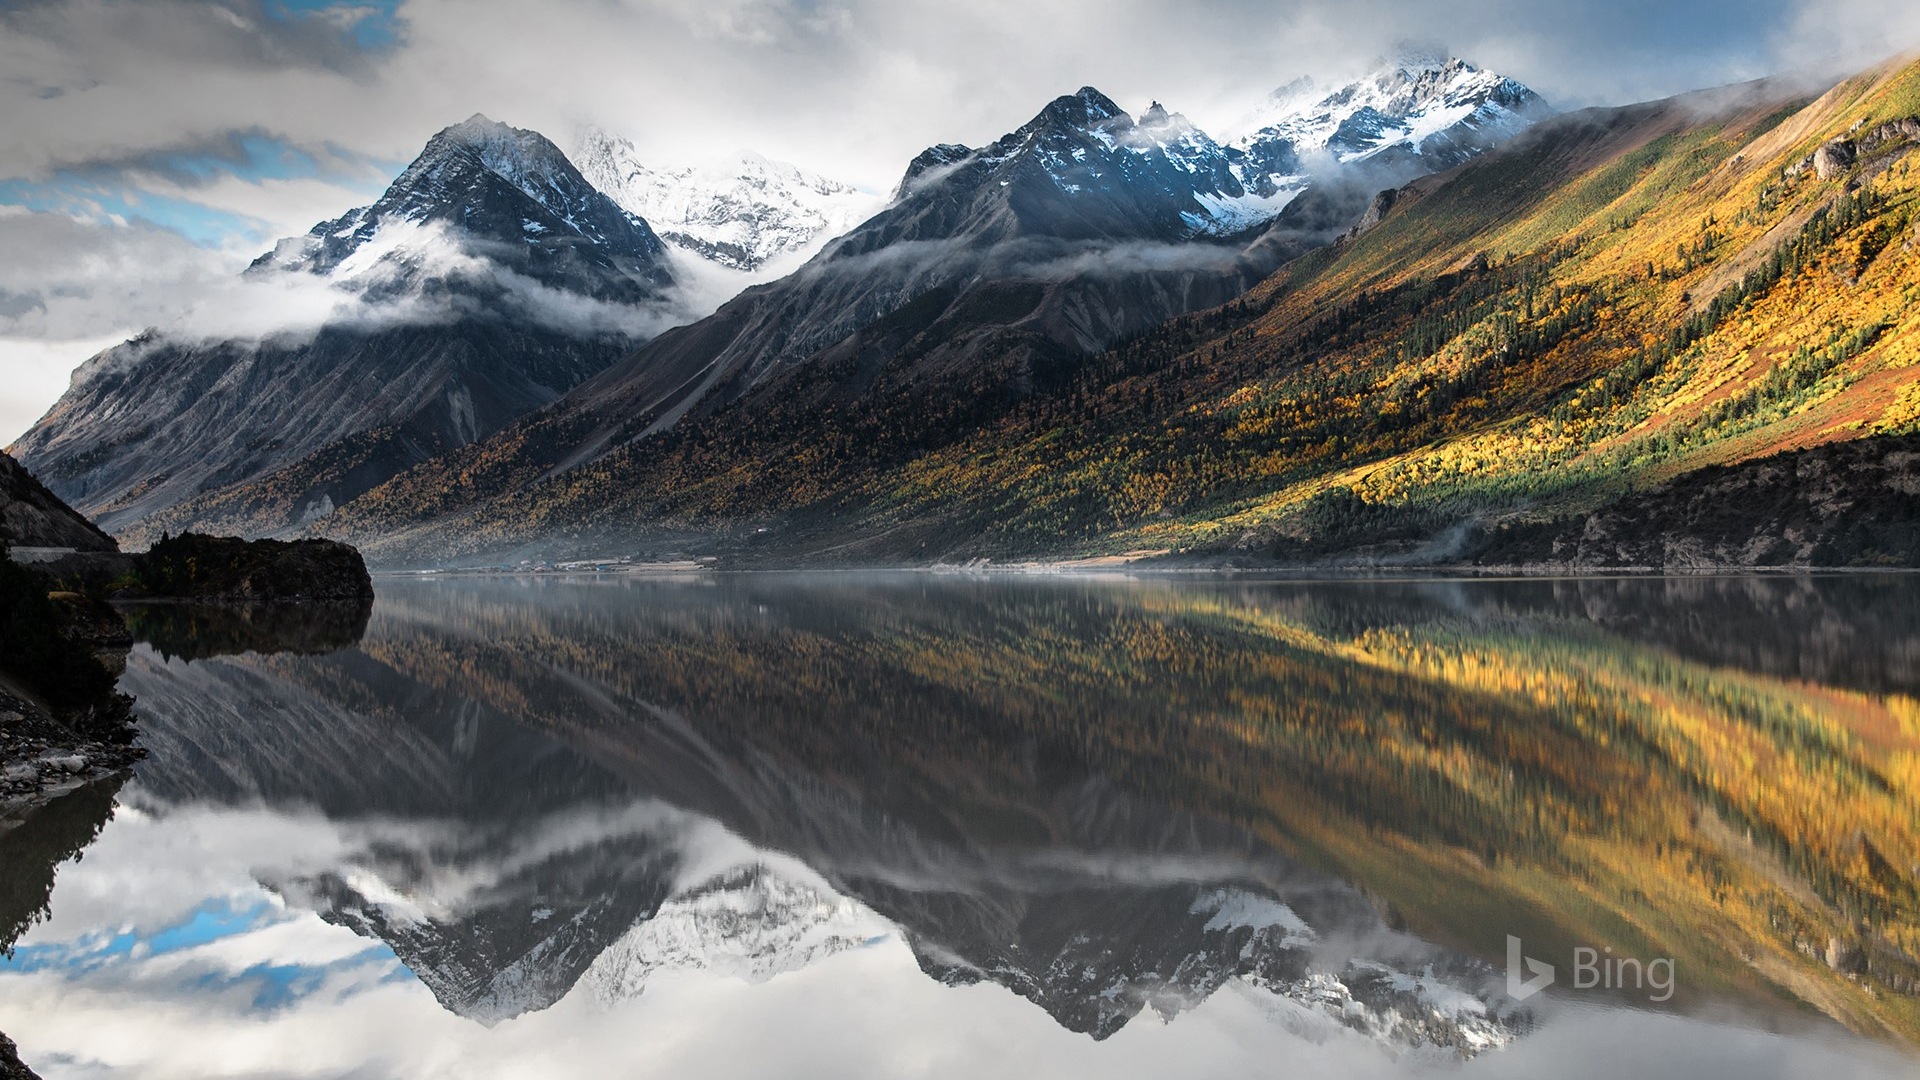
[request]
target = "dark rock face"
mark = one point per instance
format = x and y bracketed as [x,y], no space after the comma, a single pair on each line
[488,280]
[32,516]
[928,160]
[62,722]
[260,437]
[1851,504]
[1837,156]
[11,1067]
[1833,158]
[192,566]
[54,689]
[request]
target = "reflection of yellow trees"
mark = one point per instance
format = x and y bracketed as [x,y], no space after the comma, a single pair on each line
[1484,774]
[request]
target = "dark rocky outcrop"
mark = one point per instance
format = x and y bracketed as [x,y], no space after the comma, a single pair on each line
[11,1067]
[49,664]
[1850,504]
[62,722]
[192,566]
[1837,156]
[32,516]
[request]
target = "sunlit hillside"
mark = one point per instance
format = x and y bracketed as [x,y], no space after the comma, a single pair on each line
[1618,298]
[1625,297]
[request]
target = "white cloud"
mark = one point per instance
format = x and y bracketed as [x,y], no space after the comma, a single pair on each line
[33,375]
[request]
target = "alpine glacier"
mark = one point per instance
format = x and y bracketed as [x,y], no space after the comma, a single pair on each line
[741,213]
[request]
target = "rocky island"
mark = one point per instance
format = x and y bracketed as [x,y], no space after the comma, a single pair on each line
[63,644]
[227,569]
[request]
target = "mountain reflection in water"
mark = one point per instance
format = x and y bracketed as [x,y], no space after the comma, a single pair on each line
[1289,823]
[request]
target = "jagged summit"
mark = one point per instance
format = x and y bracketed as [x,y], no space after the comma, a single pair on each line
[929,160]
[1417,111]
[1083,168]
[1084,108]
[484,182]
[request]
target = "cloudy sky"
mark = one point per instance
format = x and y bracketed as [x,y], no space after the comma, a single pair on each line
[149,148]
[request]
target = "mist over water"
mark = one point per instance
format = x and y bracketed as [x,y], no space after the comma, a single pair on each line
[934,825]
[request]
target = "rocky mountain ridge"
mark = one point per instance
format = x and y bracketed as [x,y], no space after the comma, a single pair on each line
[991,274]
[494,279]
[32,516]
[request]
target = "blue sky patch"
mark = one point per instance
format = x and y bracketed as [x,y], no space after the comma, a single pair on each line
[108,191]
[98,203]
[273,985]
[212,920]
[373,25]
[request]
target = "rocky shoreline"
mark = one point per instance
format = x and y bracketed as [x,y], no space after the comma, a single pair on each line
[42,759]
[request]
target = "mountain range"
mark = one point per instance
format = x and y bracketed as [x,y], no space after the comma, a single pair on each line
[742,214]
[1598,308]
[491,313]
[488,280]
[1390,320]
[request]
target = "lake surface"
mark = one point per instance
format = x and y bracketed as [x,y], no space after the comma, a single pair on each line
[919,825]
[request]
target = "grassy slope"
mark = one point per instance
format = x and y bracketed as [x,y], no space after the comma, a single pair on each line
[1534,335]
[1337,383]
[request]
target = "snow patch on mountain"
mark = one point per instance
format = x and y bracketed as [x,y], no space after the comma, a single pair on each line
[1235,908]
[742,213]
[1420,103]
[1407,1014]
[750,923]
[1421,113]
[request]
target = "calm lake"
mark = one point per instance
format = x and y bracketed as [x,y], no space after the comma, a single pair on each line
[922,825]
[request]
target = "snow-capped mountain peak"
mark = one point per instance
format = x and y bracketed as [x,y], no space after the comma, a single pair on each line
[751,923]
[1156,176]
[482,185]
[1420,104]
[741,212]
